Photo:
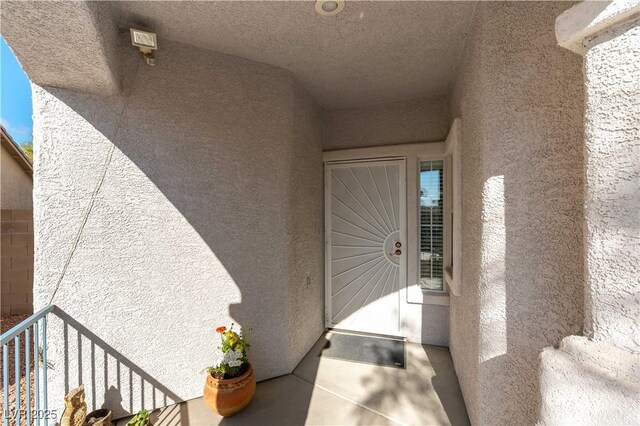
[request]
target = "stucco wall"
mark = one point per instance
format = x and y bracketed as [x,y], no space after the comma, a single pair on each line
[589,383]
[598,377]
[424,120]
[305,232]
[16,185]
[612,170]
[68,44]
[180,185]
[520,98]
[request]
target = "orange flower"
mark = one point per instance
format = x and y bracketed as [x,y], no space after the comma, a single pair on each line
[221,329]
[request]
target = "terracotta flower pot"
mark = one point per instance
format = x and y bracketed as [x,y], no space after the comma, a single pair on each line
[229,396]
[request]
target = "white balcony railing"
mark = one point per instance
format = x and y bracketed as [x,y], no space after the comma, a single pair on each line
[30,334]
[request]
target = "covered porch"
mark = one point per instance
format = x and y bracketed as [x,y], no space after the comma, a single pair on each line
[457,175]
[329,391]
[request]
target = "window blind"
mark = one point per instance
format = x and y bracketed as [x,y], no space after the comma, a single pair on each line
[431,226]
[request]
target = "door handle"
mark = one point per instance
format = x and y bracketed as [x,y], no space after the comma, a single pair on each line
[396,253]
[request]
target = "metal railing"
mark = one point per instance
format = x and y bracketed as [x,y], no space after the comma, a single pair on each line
[33,332]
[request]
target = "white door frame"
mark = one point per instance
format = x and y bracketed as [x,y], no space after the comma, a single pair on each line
[402,275]
[413,299]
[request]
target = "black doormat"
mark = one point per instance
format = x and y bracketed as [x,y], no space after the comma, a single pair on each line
[366,349]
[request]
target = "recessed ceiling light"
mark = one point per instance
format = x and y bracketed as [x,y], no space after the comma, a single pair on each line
[329,7]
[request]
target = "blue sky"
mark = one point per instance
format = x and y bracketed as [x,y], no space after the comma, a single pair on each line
[15,97]
[429,187]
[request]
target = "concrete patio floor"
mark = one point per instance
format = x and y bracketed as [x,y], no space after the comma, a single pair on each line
[325,391]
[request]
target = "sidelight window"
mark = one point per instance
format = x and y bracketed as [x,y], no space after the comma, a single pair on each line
[431,226]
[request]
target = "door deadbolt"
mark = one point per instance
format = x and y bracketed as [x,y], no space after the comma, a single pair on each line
[398,244]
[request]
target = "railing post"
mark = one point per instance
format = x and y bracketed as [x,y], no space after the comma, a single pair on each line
[44,367]
[5,384]
[36,371]
[12,413]
[27,363]
[16,381]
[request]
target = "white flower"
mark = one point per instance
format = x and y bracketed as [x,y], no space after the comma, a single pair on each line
[233,358]
[218,357]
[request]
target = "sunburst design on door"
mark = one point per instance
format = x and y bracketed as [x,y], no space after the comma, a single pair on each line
[364,217]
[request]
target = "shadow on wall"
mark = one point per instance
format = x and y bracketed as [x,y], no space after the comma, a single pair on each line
[210,153]
[208,208]
[522,108]
[532,293]
[94,358]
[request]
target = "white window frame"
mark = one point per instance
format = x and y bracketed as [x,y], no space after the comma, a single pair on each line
[446,223]
[451,155]
[415,293]
[453,151]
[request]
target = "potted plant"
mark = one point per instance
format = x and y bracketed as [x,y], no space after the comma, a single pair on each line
[230,383]
[140,419]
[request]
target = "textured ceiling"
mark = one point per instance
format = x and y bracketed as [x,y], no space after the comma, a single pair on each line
[372,52]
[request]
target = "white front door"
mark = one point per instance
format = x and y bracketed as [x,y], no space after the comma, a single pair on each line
[365,205]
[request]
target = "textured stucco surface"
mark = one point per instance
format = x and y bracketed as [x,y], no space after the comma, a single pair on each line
[596,381]
[15,185]
[612,170]
[423,120]
[589,383]
[305,229]
[64,44]
[427,323]
[201,187]
[372,52]
[588,18]
[520,99]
